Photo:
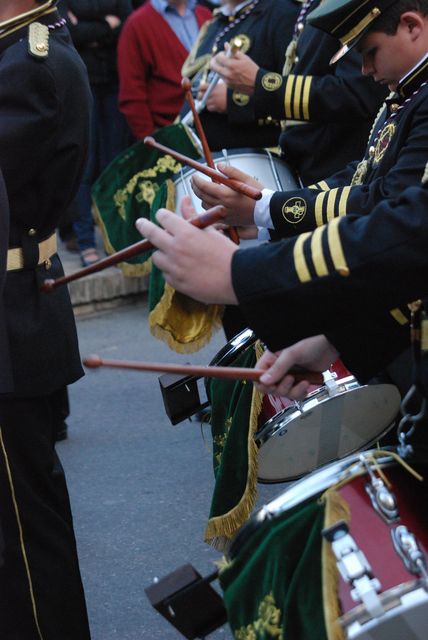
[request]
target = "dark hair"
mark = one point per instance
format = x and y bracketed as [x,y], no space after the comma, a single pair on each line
[388,22]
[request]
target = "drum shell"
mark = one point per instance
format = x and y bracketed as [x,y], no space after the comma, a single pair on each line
[265,166]
[320,429]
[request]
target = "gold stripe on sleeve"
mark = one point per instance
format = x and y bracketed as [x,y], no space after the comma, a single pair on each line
[317,252]
[323,185]
[298,98]
[399,316]
[288,94]
[343,201]
[331,204]
[300,263]
[335,246]
[319,208]
[305,99]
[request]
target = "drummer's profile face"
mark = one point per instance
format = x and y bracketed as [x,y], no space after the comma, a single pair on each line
[387,58]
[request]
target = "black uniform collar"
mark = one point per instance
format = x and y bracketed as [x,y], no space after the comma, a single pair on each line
[8,39]
[413,80]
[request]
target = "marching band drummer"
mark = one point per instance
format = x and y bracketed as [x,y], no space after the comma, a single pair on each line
[394,47]
[263,29]
[44,125]
[328,110]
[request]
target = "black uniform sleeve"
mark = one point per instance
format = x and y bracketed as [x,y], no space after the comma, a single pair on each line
[338,96]
[353,272]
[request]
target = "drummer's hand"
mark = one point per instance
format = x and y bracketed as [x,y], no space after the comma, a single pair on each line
[239,208]
[313,354]
[194,261]
[217,101]
[239,72]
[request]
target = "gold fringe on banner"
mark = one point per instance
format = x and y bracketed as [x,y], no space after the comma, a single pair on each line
[336,508]
[184,324]
[221,529]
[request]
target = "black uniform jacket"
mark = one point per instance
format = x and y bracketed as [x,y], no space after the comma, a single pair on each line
[328,109]
[44,125]
[395,158]
[267,30]
[351,280]
[5,373]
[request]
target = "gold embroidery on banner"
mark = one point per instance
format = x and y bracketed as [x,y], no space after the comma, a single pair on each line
[268,624]
[294,210]
[382,144]
[148,189]
[220,441]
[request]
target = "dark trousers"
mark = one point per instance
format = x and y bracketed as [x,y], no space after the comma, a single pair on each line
[41,593]
[109,136]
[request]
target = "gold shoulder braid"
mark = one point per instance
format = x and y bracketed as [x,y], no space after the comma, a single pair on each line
[362,167]
[38,40]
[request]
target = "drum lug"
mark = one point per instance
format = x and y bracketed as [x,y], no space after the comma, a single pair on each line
[330,383]
[354,568]
[407,547]
[383,500]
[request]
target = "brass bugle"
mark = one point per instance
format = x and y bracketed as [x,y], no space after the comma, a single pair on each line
[200,371]
[209,217]
[216,176]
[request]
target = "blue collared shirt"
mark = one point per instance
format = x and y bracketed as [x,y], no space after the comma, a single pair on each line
[184,26]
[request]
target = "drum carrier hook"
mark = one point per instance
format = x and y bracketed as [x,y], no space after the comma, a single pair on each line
[419,343]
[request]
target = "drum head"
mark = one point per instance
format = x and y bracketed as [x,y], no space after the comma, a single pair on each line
[298,440]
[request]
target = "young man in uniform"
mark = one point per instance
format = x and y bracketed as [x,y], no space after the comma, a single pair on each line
[263,29]
[44,124]
[327,110]
[394,46]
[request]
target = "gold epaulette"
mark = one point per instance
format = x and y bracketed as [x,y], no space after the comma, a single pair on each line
[38,40]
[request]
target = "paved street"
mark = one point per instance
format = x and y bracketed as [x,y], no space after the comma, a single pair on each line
[140,488]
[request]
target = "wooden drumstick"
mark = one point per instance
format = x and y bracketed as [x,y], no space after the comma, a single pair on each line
[232,373]
[216,176]
[187,86]
[209,217]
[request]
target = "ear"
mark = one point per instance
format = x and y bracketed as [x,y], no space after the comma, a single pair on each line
[413,23]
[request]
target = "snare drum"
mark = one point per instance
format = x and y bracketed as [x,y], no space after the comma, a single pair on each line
[261,164]
[380,554]
[332,422]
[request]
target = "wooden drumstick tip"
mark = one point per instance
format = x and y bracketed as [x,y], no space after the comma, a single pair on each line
[149,140]
[48,285]
[92,361]
[186,85]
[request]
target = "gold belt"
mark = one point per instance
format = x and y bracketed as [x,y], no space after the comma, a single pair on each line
[47,248]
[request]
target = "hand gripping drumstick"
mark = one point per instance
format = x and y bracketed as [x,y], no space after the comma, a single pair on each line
[211,216]
[216,176]
[233,373]
[187,86]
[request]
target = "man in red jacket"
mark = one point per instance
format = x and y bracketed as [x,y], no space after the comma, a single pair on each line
[153,46]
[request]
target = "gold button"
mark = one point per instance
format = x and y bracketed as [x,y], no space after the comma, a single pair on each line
[32,232]
[269,120]
[394,107]
[343,271]
[300,26]
[48,264]
[371,152]
[42,47]
[296,59]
